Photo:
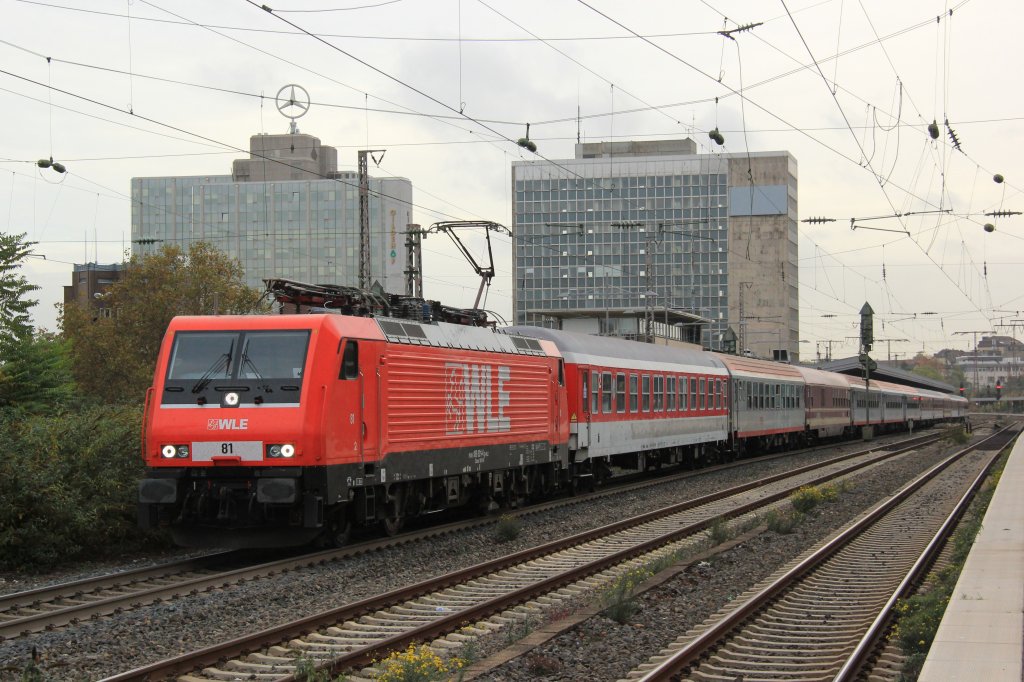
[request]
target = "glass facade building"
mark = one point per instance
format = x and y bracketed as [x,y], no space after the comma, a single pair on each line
[629,227]
[305,229]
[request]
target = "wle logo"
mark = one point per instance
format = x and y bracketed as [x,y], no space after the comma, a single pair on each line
[475,398]
[227,424]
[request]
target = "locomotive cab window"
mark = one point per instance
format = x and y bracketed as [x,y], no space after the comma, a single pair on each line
[265,364]
[350,361]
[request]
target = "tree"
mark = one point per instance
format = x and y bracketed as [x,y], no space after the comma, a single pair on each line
[15,322]
[35,376]
[929,367]
[113,356]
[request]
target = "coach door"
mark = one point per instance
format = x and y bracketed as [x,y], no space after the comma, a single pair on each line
[579,421]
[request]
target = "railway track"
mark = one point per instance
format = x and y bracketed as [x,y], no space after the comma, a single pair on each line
[826,616]
[471,602]
[66,604]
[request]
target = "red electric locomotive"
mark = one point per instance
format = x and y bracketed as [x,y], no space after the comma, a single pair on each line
[283,429]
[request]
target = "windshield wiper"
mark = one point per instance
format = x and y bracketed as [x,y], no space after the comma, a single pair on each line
[223,363]
[260,381]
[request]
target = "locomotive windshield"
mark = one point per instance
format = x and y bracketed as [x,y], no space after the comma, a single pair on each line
[267,362]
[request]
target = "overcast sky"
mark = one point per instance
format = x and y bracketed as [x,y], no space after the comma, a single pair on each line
[138,88]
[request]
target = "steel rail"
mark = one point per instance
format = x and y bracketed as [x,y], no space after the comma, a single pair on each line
[678,662]
[248,644]
[869,642]
[50,617]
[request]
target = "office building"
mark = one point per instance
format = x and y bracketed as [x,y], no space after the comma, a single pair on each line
[641,230]
[284,212]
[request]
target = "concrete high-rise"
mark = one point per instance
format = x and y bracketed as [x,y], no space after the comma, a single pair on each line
[286,211]
[654,228]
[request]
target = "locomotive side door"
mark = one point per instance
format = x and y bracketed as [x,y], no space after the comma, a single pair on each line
[351,379]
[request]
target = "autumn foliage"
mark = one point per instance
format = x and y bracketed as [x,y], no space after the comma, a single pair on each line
[113,356]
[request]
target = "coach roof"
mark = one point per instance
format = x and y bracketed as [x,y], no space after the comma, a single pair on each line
[585,348]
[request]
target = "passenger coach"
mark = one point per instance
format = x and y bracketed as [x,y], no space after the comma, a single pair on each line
[636,406]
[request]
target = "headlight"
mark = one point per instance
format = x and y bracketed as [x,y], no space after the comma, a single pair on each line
[172,451]
[285,450]
[231,399]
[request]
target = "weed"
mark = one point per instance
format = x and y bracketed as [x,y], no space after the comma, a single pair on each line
[418,664]
[508,528]
[806,499]
[619,599]
[782,522]
[718,532]
[519,629]
[957,435]
[305,670]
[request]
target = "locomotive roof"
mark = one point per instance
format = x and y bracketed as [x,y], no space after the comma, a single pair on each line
[584,348]
[444,335]
[438,335]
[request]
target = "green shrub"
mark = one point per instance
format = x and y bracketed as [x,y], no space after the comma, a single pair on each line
[957,435]
[508,528]
[806,499]
[782,522]
[619,599]
[718,532]
[68,486]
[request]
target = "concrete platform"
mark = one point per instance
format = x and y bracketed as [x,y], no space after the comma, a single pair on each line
[981,636]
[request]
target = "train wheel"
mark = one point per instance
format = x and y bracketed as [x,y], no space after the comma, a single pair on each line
[341,533]
[392,525]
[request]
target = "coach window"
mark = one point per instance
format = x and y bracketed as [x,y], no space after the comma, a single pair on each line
[670,394]
[350,361]
[711,394]
[645,390]
[659,394]
[693,393]
[620,392]
[595,393]
[633,392]
[718,393]
[682,393]
[606,392]
[703,392]
[725,393]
